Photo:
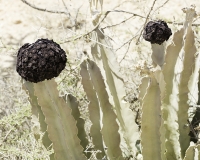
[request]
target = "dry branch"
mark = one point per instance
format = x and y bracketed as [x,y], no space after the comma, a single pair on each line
[44,9]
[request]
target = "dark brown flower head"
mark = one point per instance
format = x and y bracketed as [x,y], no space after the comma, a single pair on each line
[41,60]
[156,32]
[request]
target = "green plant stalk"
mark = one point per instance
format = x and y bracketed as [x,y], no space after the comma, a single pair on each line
[198,147]
[61,128]
[151,122]
[73,104]
[106,60]
[110,127]
[94,112]
[190,153]
[175,100]
[37,112]
[188,68]
[169,109]
[198,103]
[160,80]
[158,54]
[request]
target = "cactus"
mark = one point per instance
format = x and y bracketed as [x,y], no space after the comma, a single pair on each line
[114,133]
[110,127]
[57,114]
[174,103]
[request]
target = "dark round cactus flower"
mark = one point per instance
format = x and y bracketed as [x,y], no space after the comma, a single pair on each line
[157,32]
[41,60]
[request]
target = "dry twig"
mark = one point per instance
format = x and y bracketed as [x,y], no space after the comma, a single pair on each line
[67,12]
[118,23]
[85,34]
[95,27]
[146,20]
[127,42]
[105,15]
[44,9]
[192,130]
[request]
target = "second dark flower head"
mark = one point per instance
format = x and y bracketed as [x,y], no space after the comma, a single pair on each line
[157,32]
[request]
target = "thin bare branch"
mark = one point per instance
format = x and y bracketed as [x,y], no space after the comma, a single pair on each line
[73,38]
[122,11]
[77,12]
[181,23]
[146,20]
[125,43]
[114,25]
[94,28]
[73,20]
[85,34]
[121,3]
[126,50]
[67,12]
[44,9]
[161,6]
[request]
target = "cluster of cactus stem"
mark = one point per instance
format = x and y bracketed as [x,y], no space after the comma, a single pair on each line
[164,131]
